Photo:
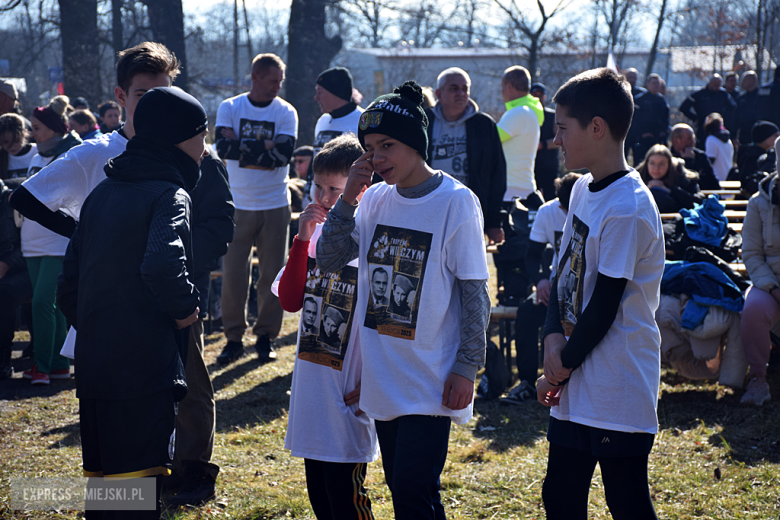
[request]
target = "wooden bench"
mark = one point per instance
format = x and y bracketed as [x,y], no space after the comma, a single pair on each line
[732,214]
[730,185]
[505,317]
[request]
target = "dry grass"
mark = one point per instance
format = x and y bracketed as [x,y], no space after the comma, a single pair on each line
[496,462]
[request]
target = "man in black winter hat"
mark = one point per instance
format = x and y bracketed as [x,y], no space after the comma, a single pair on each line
[126,286]
[340,114]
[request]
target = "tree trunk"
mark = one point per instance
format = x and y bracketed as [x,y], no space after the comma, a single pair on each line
[309,52]
[80,52]
[760,35]
[654,48]
[117,38]
[533,56]
[167,22]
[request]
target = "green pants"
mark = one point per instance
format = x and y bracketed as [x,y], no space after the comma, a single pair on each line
[49,327]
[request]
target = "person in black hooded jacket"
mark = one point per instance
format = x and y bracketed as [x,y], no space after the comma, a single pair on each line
[126,286]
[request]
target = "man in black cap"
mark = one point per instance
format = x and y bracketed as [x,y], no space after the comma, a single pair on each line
[127,288]
[340,114]
[759,155]
[546,167]
[711,98]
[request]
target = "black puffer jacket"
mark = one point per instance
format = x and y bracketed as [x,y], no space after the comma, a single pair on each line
[126,276]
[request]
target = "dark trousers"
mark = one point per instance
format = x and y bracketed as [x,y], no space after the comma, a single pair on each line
[530,318]
[14,288]
[336,490]
[569,473]
[195,422]
[414,449]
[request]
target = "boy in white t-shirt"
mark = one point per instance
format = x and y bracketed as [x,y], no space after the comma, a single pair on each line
[420,354]
[326,378]
[602,345]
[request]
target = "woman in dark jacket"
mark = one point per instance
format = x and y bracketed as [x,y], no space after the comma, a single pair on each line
[673,187]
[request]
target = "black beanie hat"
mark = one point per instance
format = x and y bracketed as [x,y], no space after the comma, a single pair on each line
[169,115]
[337,81]
[763,129]
[398,115]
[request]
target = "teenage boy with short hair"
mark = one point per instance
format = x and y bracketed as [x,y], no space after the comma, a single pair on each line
[326,377]
[602,361]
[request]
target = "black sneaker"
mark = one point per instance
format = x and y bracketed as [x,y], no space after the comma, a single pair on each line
[232,351]
[522,393]
[6,370]
[265,351]
[172,482]
[197,489]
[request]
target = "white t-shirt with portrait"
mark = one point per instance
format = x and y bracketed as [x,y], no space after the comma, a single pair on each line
[522,124]
[65,183]
[617,232]
[320,426]
[548,228]
[410,345]
[328,128]
[254,189]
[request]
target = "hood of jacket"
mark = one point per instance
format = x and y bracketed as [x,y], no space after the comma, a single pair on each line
[723,135]
[147,161]
[471,109]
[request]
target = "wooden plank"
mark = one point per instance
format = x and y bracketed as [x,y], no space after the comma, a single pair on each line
[730,185]
[721,192]
[501,312]
[731,214]
[734,204]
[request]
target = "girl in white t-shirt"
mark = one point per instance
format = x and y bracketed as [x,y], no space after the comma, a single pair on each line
[718,146]
[419,238]
[16,151]
[326,378]
[43,250]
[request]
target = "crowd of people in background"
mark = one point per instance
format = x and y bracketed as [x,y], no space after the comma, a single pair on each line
[385,218]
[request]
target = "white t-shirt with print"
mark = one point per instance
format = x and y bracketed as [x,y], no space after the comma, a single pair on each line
[522,124]
[410,345]
[548,228]
[328,128]
[320,426]
[65,183]
[36,239]
[721,154]
[19,165]
[254,189]
[617,232]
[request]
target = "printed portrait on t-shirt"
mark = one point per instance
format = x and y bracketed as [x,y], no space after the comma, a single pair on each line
[252,135]
[324,137]
[326,316]
[571,277]
[403,255]
[310,314]
[332,328]
[379,277]
[403,292]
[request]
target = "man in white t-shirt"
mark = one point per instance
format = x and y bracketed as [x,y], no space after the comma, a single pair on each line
[255,136]
[519,130]
[340,113]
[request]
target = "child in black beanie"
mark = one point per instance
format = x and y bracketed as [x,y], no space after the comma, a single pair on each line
[424,229]
[126,288]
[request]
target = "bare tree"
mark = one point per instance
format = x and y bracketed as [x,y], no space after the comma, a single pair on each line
[80,53]
[533,29]
[654,48]
[371,18]
[616,15]
[424,24]
[167,22]
[309,52]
